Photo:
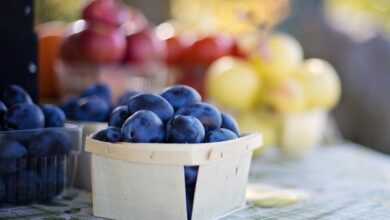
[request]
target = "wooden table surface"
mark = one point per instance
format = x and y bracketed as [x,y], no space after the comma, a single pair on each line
[340,182]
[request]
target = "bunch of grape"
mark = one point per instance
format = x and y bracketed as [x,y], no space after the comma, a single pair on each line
[274,89]
[228,16]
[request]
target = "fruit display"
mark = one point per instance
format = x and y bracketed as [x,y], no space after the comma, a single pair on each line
[276,91]
[232,58]
[34,146]
[177,115]
[114,44]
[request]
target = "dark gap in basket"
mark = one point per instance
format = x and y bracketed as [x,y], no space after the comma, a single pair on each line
[51,178]
[191,176]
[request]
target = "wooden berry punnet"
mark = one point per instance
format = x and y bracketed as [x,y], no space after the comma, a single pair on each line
[146,181]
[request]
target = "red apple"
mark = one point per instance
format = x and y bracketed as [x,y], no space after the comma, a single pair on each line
[238,52]
[109,12]
[208,49]
[101,45]
[176,48]
[136,21]
[197,58]
[144,47]
[70,50]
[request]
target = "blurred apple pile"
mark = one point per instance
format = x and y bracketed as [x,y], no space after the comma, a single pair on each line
[115,44]
[112,33]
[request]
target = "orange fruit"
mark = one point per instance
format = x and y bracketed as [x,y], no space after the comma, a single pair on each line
[50,37]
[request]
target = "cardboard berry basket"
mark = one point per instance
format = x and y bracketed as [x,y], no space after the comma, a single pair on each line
[37,165]
[147,181]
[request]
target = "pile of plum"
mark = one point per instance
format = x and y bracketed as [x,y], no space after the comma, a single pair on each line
[93,105]
[177,115]
[33,149]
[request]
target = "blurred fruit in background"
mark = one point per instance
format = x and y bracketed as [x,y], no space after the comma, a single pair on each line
[50,36]
[105,12]
[286,96]
[266,122]
[300,132]
[361,20]
[58,10]
[143,47]
[101,45]
[114,44]
[101,40]
[281,95]
[196,56]
[228,16]
[229,54]
[278,57]
[321,84]
[176,47]
[136,21]
[233,58]
[233,83]
[208,49]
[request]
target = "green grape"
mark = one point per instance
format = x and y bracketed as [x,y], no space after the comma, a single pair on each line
[280,56]
[265,122]
[320,82]
[285,97]
[233,83]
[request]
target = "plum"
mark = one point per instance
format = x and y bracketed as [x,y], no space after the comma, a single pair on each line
[101,90]
[180,95]
[151,102]
[126,97]
[219,135]
[50,142]
[54,116]
[209,115]
[118,116]
[14,94]
[110,134]
[230,123]
[185,129]
[24,116]
[143,127]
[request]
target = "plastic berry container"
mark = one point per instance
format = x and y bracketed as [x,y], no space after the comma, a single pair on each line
[133,181]
[75,78]
[37,165]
